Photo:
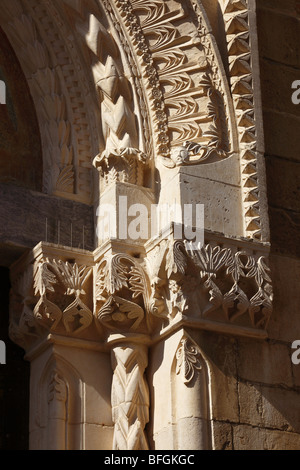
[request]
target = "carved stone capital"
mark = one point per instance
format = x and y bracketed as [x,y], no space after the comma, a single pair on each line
[51,292]
[221,282]
[122,294]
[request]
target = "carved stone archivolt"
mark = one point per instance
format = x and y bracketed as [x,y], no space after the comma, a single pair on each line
[54,71]
[188,98]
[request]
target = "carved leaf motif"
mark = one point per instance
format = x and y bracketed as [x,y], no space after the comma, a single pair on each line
[65,180]
[57,388]
[118,273]
[44,279]
[260,308]
[78,315]
[119,310]
[188,361]
[72,276]
[209,259]
[137,281]
[176,259]
[263,272]
[236,266]
[235,301]
[47,313]
[261,303]
[215,299]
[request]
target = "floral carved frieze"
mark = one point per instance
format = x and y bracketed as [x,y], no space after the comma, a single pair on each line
[212,282]
[224,283]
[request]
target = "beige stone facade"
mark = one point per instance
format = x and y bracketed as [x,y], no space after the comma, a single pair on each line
[149,211]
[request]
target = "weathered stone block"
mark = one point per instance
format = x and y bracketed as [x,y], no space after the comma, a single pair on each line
[281,139]
[222,435]
[253,438]
[264,362]
[278,39]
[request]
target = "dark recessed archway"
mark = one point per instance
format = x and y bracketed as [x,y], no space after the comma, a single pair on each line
[20,144]
[14,382]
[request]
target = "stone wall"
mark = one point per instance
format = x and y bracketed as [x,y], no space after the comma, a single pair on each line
[257,385]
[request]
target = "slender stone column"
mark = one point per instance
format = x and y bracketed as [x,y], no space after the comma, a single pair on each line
[130,396]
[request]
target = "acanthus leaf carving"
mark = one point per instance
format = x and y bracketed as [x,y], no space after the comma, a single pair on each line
[215,283]
[188,360]
[122,293]
[52,299]
[118,310]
